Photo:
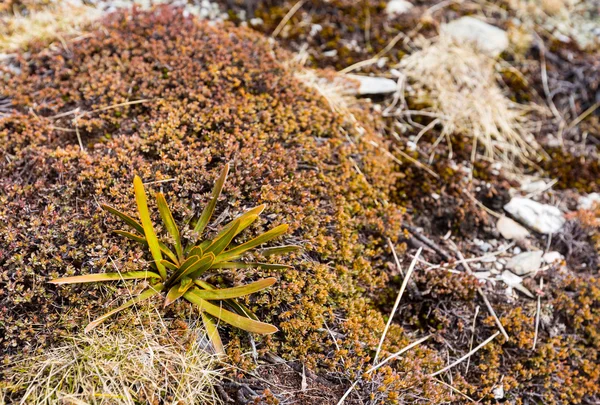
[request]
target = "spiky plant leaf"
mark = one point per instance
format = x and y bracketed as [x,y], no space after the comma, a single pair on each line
[181,269]
[250,265]
[196,251]
[238,307]
[220,243]
[210,207]
[169,221]
[92,278]
[198,267]
[279,250]
[259,240]
[139,239]
[177,291]
[169,265]
[231,318]
[148,293]
[142,204]
[245,220]
[213,333]
[235,292]
[126,218]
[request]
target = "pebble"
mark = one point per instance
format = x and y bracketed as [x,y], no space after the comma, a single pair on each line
[397,7]
[374,85]
[487,38]
[525,263]
[542,218]
[510,229]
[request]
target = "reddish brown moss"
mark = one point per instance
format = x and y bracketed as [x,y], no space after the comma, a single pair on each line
[215,96]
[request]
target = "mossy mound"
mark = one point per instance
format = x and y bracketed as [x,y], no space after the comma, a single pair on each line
[212,95]
[161,95]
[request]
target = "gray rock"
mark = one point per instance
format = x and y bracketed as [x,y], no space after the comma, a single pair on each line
[542,218]
[510,229]
[374,85]
[587,202]
[525,263]
[514,282]
[487,38]
[552,257]
[397,7]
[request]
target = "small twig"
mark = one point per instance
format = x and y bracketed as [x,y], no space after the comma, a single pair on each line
[483,207]
[537,314]
[398,353]
[159,181]
[583,116]
[287,18]
[417,163]
[391,245]
[455,390]
[480,290]
[546,187]
[466,356]
[444,255]
[472,337]
[110,107]
[375,367]
[395,308]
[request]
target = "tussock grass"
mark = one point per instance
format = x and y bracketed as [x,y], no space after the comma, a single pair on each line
[54,21]
[128,366]
[459,86]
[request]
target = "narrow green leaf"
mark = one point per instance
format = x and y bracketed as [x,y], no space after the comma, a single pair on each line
[126,218]
[176,292]
[204,245]
[213,333]
[220,243]
[139,239]
[246,219]
[167,217]
[197,268]
[209,209]
[92,278]
[259,240]
[236,320]
[279,250]
[185,283]
[236,292]
[250,265]
[238,307]
[181,269]
[196,251]
[148,293]
[142,203]
[169,265]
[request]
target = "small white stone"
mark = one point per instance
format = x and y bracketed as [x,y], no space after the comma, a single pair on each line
[498,392]
[397,7]
[542,218]
[552,257]
[514,281]
[510,229]
[587,202]
[315,29]
[374,85]
[525,263]
[255,22]
[487,38]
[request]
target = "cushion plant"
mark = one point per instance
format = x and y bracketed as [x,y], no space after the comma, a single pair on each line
[177,270]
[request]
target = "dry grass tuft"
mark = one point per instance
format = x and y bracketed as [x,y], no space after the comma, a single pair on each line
[459,86]
[130,366]
[52,22]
